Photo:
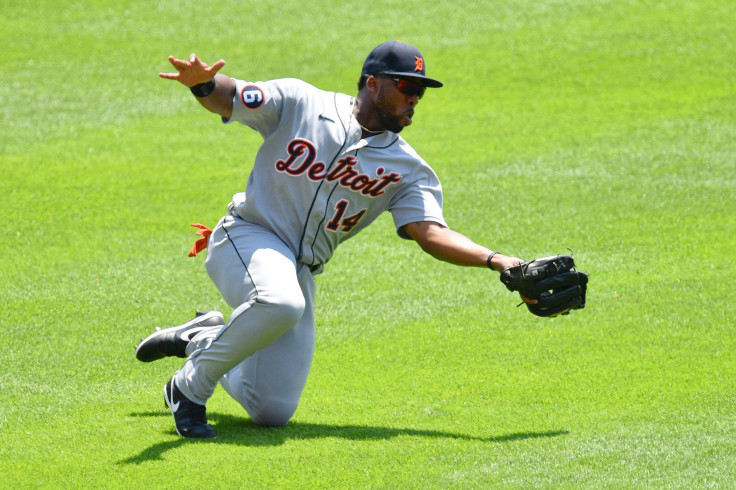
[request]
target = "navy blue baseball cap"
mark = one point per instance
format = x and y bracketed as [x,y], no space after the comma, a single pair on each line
[400,60]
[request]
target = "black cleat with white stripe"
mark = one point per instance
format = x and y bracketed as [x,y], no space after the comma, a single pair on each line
[190,418]
[173,341]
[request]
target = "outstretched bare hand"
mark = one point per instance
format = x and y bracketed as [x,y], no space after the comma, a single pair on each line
[192,72]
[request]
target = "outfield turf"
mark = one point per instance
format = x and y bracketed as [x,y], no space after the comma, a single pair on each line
[606,127]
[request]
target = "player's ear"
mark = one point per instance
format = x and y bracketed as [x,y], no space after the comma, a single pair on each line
[371,84]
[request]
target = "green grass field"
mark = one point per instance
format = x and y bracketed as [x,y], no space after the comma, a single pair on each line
[605,126]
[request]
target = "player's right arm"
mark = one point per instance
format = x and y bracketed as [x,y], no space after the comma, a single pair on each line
[194,72]
[450,246]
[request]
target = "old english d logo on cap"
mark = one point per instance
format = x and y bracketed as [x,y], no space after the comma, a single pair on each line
[418,64]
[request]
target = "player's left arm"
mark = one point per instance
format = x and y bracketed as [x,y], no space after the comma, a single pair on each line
[450,246]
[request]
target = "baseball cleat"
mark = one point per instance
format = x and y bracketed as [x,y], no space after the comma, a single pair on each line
[190,418]
[172,341]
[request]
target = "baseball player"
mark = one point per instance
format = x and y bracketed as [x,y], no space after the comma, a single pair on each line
[328,166]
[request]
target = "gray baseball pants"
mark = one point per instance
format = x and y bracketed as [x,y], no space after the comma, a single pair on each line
[263,354]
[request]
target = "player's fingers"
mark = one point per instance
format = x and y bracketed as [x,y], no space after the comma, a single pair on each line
[180,65]
[217,66]
[528,301]
[169,76]
[177,62]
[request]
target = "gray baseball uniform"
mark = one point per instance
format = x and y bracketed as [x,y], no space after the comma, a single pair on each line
[314,184]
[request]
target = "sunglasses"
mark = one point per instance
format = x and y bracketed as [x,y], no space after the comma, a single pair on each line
[408,87]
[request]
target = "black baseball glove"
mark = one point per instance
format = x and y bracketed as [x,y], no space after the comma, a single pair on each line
[552,281]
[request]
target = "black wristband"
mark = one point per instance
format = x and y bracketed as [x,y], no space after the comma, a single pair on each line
[203,89]
[488,260]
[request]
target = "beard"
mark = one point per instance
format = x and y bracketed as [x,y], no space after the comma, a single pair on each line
[385,115]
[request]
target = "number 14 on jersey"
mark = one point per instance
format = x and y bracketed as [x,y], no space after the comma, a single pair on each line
[346,223]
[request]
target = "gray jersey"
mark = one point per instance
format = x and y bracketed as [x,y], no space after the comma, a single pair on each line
[315,181]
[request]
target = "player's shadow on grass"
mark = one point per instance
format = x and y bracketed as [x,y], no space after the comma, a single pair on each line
[242,432]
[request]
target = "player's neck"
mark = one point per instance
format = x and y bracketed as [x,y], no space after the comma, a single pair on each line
[363,118]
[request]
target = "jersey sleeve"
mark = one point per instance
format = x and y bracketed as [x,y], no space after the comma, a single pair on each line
[419,201]
[259,105]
